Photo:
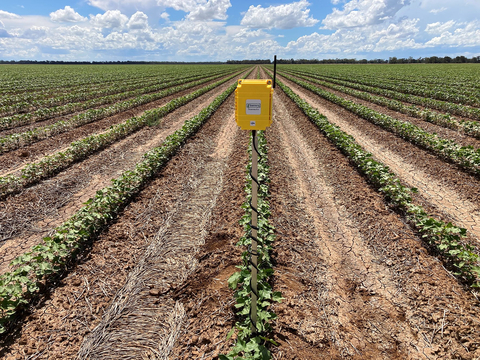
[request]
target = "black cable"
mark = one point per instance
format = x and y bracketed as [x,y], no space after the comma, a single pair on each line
[253,238]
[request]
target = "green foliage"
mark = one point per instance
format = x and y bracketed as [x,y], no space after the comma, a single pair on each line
[445,120]
[81,149]
[136,98]
[465,156]
[251,345]
[49,258]
[446,237]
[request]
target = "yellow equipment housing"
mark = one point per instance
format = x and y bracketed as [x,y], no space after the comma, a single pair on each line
[253,104]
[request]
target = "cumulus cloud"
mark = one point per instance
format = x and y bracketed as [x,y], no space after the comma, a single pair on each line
[213,9]
[165,16]
[138,21]
[246,35]
[466,36]
[35,32]
[405,28]
[358,13]
[439,27]
[8,15]
[286,16]
[66,15]
[111,19]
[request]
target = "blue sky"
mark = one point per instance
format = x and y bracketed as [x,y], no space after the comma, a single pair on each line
[218,30]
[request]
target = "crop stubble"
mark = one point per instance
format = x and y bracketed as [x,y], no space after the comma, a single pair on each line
[357,282]
[27,217]
[444,189]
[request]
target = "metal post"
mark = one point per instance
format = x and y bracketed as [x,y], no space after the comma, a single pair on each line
[253,283]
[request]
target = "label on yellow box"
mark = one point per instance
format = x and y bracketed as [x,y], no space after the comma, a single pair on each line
[253,107]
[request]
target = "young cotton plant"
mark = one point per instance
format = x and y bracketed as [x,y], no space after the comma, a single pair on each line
[446,237]
[465,156]
[253,344]
[50,258]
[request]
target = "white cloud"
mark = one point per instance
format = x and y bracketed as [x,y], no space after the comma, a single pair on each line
[138,21]
[245,35]
[467,36]
[436,11]
[439,27]
[8,15]
[66,15]
[358,13]
[286,16]
[165,16]
[111,19]
[406,28]
[35,32]
[213,9]
[349,42]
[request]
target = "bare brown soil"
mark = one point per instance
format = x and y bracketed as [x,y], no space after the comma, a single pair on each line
[20,129]
[458,137]
[26,217]
[357,281]
[443,188]
[14,160]
[83,299]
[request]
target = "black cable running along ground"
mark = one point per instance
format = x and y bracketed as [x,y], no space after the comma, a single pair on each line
[253,238]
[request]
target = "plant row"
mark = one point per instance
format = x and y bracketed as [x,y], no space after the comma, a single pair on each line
[446,237]
[440,91]
[445,120]
[79,150]
[253,344]
[27,79]
[85,94]
[17,140]
[49,112]
[452,108]
[465,156]
[80,92]
[48,259]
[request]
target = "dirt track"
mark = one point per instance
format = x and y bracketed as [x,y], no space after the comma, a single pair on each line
[357,281]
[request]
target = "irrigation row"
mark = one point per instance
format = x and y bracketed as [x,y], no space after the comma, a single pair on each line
[445,120]
[45,261]
[452,108]
[253,344]
[74,98]
[446,237]
[79,150]
[69,108]
[444,92]
[466,157]
[30,102]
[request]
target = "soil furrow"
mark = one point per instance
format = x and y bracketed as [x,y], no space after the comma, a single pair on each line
[441,186]
[80,299]
[357,283]
[167,263]
[27,217]
[458,137]
[16,159]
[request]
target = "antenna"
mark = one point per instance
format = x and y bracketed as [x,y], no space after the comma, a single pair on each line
[274,69]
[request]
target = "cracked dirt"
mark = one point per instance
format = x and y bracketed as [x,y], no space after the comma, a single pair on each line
[358,283]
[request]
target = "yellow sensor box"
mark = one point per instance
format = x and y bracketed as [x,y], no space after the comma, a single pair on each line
[253,104]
